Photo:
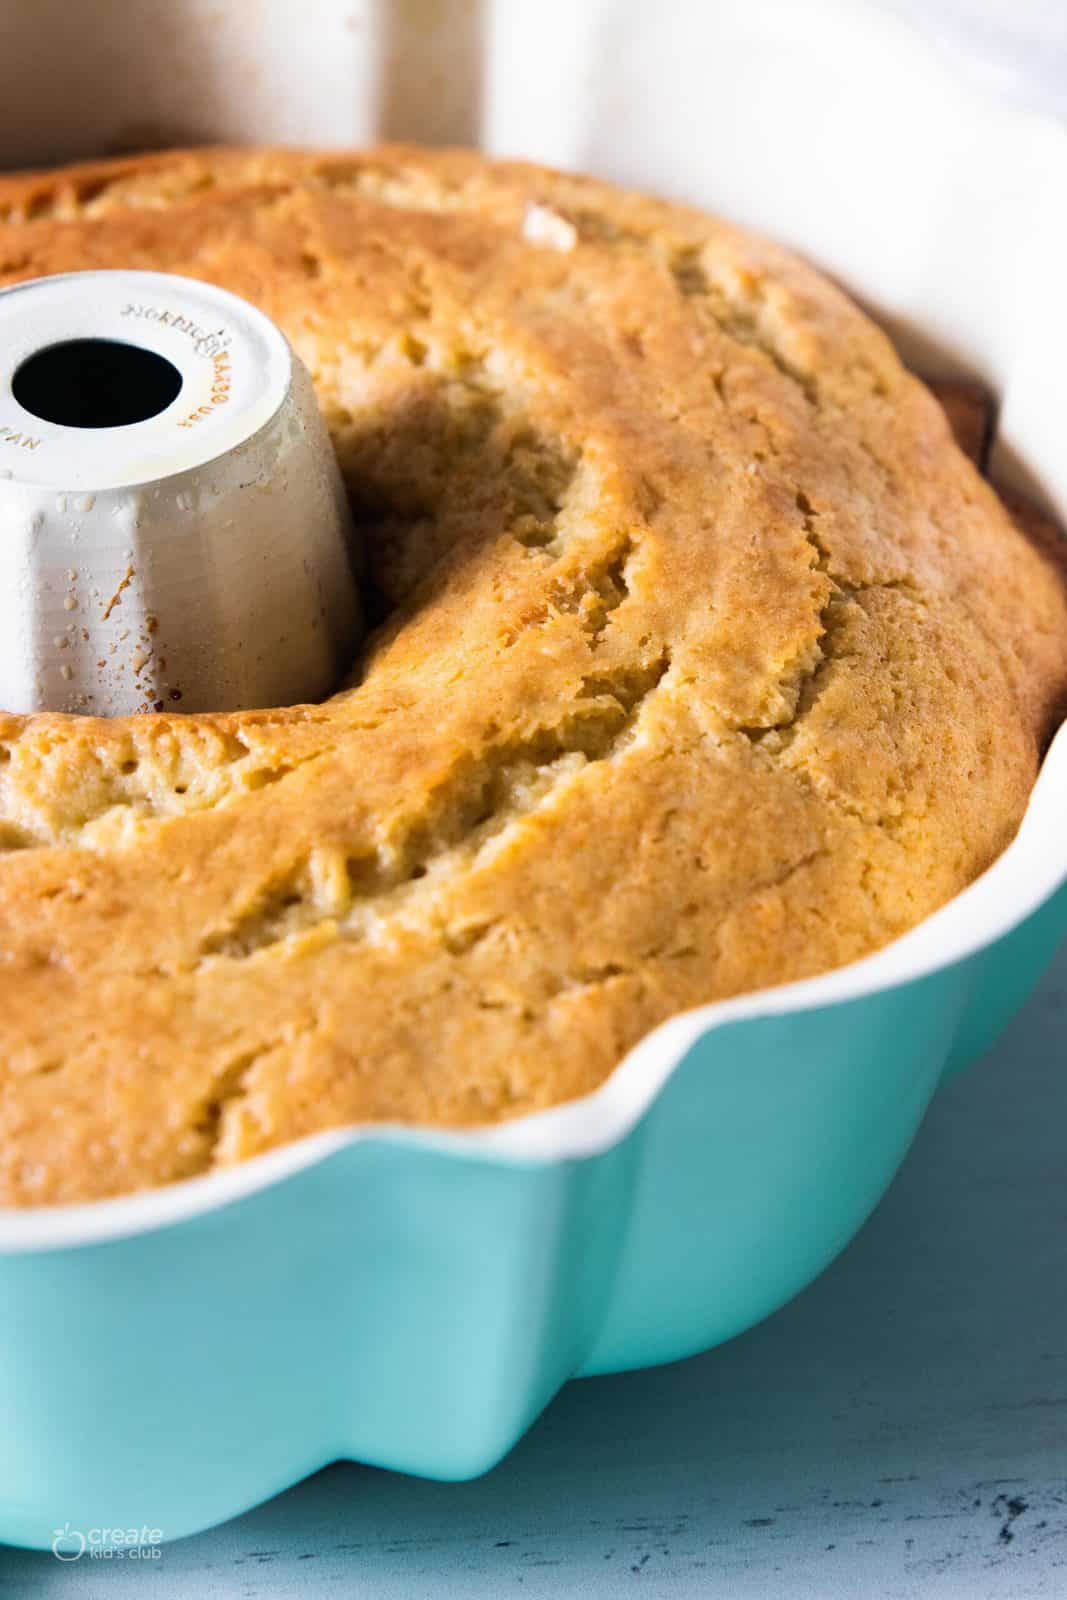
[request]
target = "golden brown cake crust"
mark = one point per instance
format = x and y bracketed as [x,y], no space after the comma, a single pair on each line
[710,663]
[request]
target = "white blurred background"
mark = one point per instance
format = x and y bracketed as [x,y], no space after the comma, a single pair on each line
[1016,49]
[83,77]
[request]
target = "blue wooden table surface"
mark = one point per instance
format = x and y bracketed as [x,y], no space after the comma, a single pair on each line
[899,1431]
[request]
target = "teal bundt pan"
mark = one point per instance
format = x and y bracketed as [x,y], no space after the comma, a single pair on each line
[414,1299]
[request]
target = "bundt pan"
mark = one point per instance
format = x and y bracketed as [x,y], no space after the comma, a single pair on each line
[414,1299]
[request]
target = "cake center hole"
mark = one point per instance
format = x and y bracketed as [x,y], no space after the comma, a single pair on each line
[95,383]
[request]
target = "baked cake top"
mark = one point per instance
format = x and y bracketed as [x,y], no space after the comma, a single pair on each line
[708,662]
